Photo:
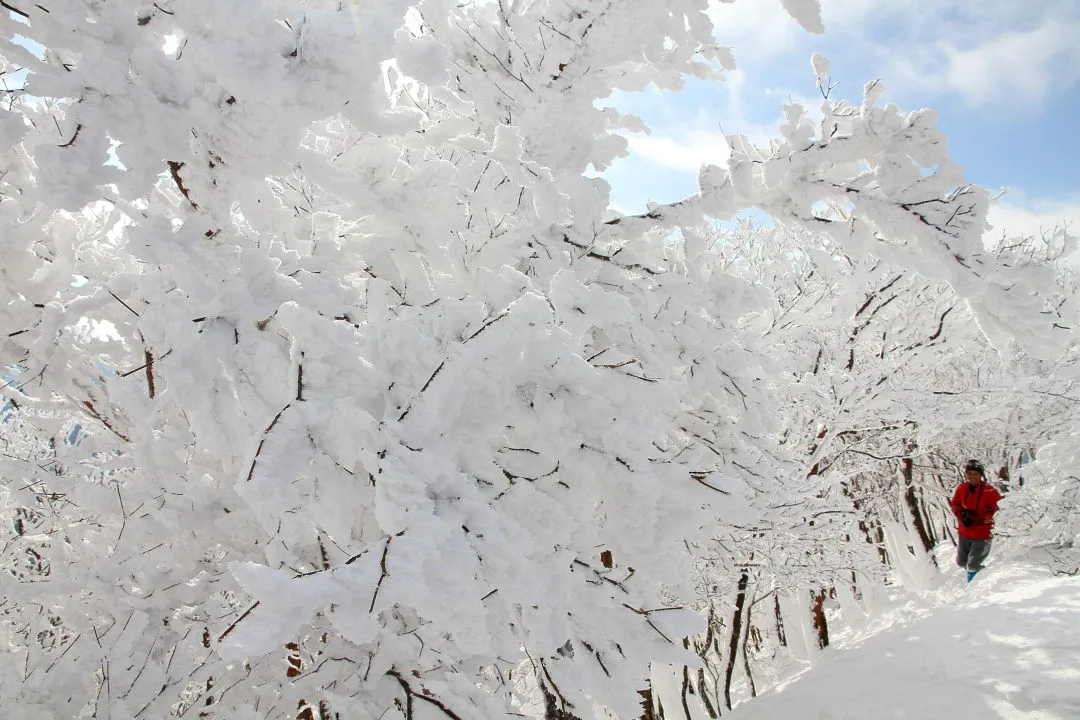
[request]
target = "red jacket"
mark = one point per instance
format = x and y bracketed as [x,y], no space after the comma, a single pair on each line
[982,502]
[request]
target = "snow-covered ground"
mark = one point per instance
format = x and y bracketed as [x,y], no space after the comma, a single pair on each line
[1005,647]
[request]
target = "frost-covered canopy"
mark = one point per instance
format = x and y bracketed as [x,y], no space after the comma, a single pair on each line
[368,378]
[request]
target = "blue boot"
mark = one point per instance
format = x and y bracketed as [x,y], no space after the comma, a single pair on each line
[971,574]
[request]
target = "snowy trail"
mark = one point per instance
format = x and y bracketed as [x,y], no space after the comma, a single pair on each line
[1006,647]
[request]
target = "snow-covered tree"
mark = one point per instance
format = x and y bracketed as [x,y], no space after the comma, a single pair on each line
[888,385]
[1035,455]
[382,414]
[385,410]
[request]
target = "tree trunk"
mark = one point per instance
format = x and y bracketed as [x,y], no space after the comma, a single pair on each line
[555,708]
[704,694]
[851,491]
[686,690]
[746,649]
[928,519]
[779,620]
[880,544]
[648,712]
[912,501]
[736,635]
[820,623]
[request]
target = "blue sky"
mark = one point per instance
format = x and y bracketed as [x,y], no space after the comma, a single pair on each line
[1004,77]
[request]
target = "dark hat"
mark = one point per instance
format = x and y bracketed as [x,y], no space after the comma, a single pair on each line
[976,466]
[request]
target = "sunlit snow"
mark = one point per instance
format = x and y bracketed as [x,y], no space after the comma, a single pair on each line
[1005,647]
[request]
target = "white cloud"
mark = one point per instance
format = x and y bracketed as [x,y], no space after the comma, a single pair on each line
[755,26]
[701,138]
[698,137]
[686,152]
[1016,215]
[994,53]
[1025,66]
[997,53]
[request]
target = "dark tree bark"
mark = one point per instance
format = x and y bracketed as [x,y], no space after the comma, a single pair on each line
[779,621]
[555,707]
[736,635]
[928,518]
[746,654]
[820,623]
[851,491]
[684,691]
[880,544]
[648,711]
[552,707]
[703,693]
[912,501]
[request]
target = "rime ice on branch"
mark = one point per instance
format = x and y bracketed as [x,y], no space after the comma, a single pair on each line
[383,408]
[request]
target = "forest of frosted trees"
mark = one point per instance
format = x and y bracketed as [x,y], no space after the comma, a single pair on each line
[334,388]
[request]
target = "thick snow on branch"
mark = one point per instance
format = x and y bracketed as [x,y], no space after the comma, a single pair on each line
[368,378]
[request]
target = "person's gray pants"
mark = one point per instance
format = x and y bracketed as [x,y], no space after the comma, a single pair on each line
[971,554]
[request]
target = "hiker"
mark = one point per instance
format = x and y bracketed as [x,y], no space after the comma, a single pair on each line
[974,504]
